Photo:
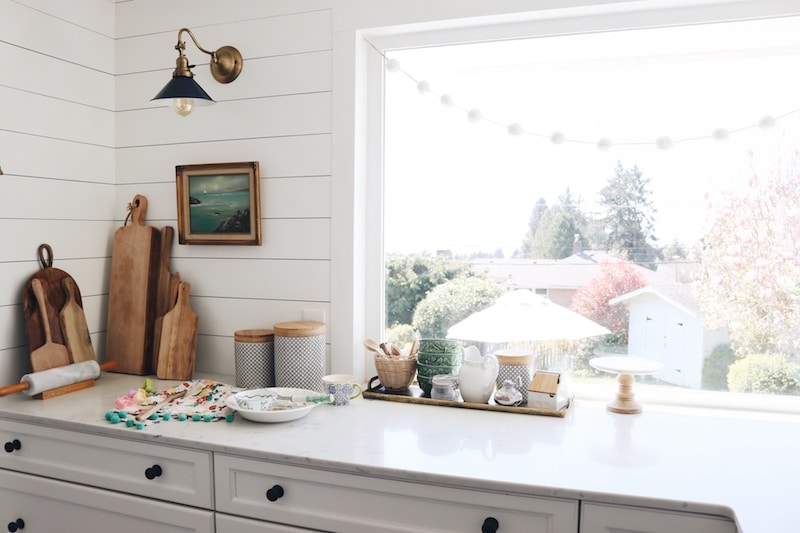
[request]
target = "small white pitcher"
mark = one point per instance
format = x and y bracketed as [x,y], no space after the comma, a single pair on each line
[477,375]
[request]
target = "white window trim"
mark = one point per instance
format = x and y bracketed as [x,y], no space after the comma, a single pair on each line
[358,124]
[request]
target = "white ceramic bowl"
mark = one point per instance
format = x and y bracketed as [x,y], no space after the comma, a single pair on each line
[256,404]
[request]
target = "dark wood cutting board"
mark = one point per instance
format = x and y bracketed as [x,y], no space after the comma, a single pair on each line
[52,279]
[132,293]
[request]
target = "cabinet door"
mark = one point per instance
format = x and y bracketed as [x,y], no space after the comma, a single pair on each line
[50,505]
[236,524]
[602,518]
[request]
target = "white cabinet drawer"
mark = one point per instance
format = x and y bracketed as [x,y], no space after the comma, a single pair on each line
[113,463]
[237,524]
[330,501]
[49,505]
[604,518]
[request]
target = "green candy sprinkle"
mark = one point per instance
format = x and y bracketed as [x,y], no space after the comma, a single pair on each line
[123,414]
[182,417]
[108,415]
[139,425]
[130,422]
[154,416]
[229,417]
[167,416]
[195,417]
[208,418]
[115,418]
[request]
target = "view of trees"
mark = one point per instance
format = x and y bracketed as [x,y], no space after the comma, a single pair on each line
[749,280]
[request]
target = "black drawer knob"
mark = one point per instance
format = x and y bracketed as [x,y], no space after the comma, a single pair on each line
[153,472]
[275,493]
[19,523]
[13,445]
[490,525]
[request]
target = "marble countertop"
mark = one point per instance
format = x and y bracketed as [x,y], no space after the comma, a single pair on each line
[731,463]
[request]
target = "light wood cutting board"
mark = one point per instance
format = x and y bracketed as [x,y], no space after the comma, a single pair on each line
[176,354]
[132,293]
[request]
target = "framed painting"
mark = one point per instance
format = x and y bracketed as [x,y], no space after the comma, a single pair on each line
[219,203]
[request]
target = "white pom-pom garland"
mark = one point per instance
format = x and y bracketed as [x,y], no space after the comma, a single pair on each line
[557,137]
[474,116]
[720,134]
[446,100]
[604,144]
[423,87]
[515,129]
[766,122]
[392,65]
[664,143]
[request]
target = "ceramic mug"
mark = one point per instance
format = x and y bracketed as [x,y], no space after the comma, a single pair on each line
[343,387]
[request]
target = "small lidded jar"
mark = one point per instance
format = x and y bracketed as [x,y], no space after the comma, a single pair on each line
[444,387]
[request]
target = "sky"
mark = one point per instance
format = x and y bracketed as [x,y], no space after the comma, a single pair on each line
[470,186]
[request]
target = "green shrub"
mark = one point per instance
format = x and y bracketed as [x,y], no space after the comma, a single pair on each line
[716,367]
[401,334]
[764,374]
[452,302]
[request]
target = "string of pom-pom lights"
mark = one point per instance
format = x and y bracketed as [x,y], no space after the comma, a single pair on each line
[664,142]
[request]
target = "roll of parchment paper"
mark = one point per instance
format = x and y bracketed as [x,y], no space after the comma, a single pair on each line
[60,376]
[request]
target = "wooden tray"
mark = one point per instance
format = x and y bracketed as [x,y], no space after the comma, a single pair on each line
[376,391]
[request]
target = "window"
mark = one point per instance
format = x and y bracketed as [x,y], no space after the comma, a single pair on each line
[477,134]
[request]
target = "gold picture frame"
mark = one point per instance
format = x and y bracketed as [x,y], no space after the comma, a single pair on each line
[219,203]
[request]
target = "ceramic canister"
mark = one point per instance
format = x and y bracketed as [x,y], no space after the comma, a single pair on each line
[254,357]
[299,354]
[517,366]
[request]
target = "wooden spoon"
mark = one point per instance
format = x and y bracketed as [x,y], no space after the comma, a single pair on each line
[50,354]
[373,346]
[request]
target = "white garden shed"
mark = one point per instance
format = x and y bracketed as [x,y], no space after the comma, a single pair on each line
[667,326]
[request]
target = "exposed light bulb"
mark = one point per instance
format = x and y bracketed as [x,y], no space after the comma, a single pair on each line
[183,106]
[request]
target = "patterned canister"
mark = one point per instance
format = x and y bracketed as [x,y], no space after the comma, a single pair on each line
[254,356]
[517,366]
[299,354]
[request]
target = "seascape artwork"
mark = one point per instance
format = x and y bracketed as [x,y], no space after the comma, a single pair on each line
[219,203]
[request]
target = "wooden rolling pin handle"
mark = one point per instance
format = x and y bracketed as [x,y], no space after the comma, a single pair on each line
[19,387]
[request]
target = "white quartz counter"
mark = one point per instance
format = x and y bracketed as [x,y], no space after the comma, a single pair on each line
[741,465]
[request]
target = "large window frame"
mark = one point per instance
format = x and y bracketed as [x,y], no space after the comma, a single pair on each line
[368,185]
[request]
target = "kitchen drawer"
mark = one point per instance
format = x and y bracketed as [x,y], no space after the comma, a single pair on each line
[331,501]
[605,518]
[49,505]
[237,524]
[112,463]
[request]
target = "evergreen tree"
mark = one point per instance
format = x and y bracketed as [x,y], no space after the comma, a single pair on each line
[533,224]
[629,216]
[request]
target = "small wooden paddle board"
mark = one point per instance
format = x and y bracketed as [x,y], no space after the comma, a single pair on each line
[74,327]
[49,355]
[178,347]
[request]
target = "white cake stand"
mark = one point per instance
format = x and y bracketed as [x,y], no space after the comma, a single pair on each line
[626,368]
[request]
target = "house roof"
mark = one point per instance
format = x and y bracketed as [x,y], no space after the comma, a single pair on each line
[573,272]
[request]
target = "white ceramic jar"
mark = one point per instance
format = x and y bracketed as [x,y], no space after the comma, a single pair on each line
[476,378]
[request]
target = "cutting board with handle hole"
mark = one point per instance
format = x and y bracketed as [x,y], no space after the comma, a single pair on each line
[132,292]
[55,299]
[176,354]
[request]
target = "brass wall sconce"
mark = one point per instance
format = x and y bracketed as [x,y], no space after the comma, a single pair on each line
[183,91]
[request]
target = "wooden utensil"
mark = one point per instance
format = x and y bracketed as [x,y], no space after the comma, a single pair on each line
[50,354]
[373,346]
[51,280]
[73,326]
[174,283]
[176,354]
[132,292]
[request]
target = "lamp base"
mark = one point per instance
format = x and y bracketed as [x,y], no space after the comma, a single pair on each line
[228,64]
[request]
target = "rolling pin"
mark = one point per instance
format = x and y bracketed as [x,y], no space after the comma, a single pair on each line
[60,376]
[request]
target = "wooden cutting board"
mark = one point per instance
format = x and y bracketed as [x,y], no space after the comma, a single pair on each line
[55,299]
[50,354]
[176,354]
[132,292]
[174,284]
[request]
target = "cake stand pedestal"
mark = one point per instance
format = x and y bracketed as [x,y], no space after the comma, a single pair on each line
[626,368]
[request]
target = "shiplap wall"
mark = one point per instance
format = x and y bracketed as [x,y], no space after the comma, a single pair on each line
[57,155]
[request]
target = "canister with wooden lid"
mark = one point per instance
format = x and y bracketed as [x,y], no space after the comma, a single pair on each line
[299,354]
[254,356]
[517,366]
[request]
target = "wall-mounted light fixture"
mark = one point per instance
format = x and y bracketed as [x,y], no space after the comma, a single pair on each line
[185,93]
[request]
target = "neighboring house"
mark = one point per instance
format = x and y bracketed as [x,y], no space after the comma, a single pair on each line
[557,279]
[667,326]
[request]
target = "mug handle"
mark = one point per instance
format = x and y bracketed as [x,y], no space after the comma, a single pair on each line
[356,394]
